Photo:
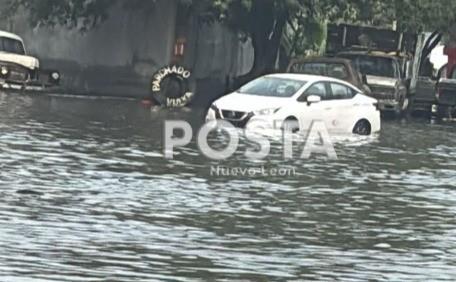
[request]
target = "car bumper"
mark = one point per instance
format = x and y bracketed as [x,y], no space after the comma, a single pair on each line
[31,87]
[388,105]
[241,122]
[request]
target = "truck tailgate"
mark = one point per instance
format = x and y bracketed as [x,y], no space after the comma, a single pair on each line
[426,90]
[447,92]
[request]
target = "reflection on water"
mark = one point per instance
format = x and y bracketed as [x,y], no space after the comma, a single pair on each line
[87,196]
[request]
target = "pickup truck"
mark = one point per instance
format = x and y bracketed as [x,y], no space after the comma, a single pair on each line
[383,76]
[19,71]
[383,56]
[339,68]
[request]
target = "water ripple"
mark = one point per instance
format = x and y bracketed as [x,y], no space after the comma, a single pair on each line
[87,196]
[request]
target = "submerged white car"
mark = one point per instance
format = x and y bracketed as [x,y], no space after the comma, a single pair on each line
[296,101]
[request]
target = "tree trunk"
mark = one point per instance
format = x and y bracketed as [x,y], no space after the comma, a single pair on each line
[267,26]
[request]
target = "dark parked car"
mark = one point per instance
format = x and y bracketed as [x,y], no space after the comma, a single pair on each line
[339,68]
[424,83]
[446,96]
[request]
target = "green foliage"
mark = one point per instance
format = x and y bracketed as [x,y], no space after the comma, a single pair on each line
[298,24]
[412,15]
[74,14]
[419,15]
[82,14]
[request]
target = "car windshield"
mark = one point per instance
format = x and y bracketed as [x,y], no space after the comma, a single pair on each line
[335,70]
[273,87]
[11,46]
[374,65]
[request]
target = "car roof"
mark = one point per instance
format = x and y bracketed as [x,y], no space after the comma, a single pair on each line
[305,77]
[10,35]
[321,60]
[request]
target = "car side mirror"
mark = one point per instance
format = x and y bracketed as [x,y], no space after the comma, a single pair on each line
[313,99]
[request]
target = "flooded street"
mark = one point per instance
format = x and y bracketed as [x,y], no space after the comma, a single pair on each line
[86,195]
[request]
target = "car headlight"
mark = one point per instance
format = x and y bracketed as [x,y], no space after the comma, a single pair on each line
[4,71]
[266,112]
[55,75]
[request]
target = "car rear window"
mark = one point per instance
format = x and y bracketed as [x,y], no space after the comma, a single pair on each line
[373,65]
[334,70]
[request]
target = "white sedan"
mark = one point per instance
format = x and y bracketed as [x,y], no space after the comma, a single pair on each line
[296,101]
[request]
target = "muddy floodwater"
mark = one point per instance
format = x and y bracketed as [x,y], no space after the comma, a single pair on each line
[86,195]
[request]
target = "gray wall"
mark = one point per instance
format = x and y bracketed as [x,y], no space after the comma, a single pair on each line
[119,57]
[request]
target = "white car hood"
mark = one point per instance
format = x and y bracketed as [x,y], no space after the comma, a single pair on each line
[382,81]
[248,103]
[25,61]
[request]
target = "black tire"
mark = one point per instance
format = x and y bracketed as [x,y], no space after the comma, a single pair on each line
[362,128]
[174,89]
[292,124]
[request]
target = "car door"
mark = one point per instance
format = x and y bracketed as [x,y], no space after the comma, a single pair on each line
[308,113]
[343,106]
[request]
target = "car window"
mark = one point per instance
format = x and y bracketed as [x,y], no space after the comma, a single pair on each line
[317,89]
[335,70]
[11,46]
[273,87]
[340,92]
[373,65]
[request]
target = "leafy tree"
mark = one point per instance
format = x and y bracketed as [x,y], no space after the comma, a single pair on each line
[263,21]
[410,15]
[268,23]
[79,14]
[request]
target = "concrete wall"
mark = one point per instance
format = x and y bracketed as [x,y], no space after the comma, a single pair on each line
[218,52]
[119,57]
[215,55]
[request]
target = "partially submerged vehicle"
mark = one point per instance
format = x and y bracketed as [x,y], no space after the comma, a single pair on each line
[383,56]
[338,68]
[19,71]
[446,96]
[434,93]
[295,101]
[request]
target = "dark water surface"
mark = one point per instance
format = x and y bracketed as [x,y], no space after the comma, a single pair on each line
[86,195]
